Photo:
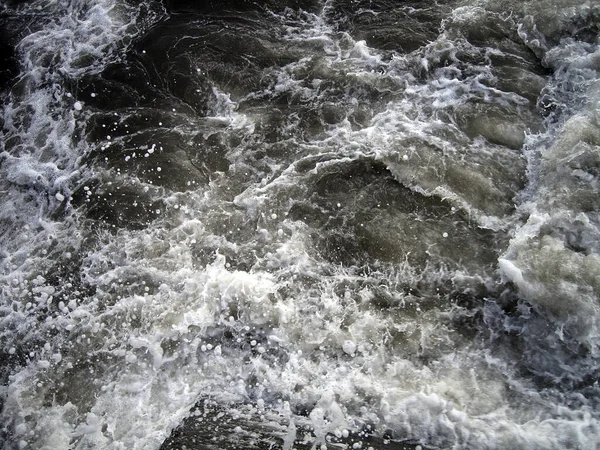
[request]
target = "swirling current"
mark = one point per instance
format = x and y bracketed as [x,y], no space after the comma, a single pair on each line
[300,224]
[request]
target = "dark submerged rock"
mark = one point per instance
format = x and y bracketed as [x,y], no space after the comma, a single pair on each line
[214,426]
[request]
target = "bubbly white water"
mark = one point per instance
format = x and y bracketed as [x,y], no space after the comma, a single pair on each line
[425,260]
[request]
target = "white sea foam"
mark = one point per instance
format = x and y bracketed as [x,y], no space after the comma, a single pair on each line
[556,269]
[164,315]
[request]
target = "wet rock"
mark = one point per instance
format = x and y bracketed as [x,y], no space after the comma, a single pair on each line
[215,426]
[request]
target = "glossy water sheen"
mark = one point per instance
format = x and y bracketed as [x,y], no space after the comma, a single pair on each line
[300,224]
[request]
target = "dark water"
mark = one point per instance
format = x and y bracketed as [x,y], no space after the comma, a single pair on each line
[300,224]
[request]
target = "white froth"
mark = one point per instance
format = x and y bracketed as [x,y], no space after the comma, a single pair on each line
[349,347]
[402,366]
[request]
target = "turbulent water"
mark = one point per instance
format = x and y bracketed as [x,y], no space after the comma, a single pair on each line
[300,224]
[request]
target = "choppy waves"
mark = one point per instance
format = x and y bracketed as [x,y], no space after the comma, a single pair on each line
[298,224]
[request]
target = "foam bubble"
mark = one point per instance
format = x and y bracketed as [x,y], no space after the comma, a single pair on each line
[349,347]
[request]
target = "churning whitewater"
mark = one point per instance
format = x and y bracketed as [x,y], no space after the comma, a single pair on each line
[300,224]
